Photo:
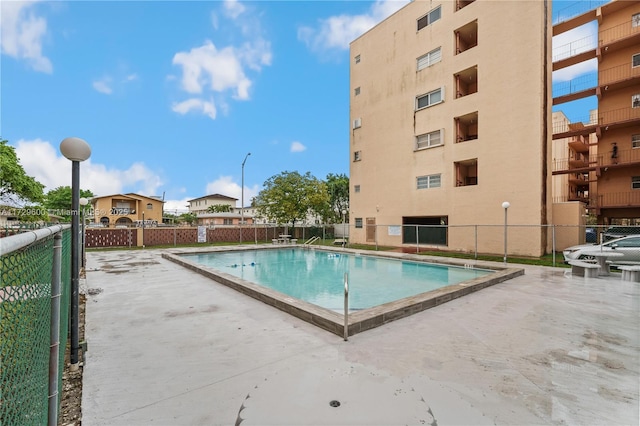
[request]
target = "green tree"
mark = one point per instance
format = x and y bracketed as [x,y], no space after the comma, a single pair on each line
[289,197]
[58,201]
[219,208]
[188,218]
[338,189]
[14,182]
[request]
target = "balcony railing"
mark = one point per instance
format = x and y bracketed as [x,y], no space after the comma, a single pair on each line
[627,156]
[574,48]
[618,73]
[584,82]
[619,32]
[616,199]
[618,116]
[574,9]
[604,118]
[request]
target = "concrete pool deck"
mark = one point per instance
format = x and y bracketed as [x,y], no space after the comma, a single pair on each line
[168,346]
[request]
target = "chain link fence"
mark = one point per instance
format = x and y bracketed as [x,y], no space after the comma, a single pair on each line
[28,276]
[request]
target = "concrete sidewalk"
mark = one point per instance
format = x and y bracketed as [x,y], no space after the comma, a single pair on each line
[168,346]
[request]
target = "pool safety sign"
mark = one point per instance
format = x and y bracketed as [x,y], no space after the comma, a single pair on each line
[202,234]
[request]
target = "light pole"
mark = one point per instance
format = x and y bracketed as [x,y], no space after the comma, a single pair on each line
[242,196]
[83,202]
[344,234]
[76,150]
[505,206]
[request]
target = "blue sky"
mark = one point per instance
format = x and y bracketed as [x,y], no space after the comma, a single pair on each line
[171,95]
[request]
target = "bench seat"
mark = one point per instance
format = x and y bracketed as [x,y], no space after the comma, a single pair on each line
[630,273]
[581,268]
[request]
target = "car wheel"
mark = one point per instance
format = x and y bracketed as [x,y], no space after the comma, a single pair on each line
[587,257]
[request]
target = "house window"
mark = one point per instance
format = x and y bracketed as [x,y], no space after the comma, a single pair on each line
[429,140]
[429,18]
[430,98]
[635,141]
[227,221]
[357,91]
[635,101]
[635,60]
[358,222]
[149,206]
[357,59]
[356,188]
[635,182]
[426,182]
[357,156]
[635,20]
[429,59]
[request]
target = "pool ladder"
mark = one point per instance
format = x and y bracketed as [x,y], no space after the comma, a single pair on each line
[311,241]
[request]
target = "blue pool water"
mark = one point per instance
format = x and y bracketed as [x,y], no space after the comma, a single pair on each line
[318,276]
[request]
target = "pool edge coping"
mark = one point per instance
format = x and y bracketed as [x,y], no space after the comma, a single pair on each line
[359,321]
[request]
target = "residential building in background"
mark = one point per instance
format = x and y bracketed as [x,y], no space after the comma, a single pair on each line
[600,161]
[233,216]
[450,110]
[126,210]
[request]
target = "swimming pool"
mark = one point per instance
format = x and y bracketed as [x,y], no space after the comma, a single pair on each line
[317,276]
[232,266]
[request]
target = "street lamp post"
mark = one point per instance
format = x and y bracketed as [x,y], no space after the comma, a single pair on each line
[505,206]
[76,150]
[242,197]
[83,202]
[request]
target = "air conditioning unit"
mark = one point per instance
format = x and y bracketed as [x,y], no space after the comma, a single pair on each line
[357,123]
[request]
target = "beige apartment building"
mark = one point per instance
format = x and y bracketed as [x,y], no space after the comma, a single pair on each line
[600,160]
[126,210]
[450,111]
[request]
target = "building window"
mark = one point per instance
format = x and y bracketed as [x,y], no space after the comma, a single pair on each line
[430,98]
[429,18]
[227,221]
[429,59]
[635,60]
[635,182]
[149,206]
[635,141]
[357,123]
[635,20]
[357,91]
[466,172]
[426,182]
[357,156]
[356,188]
[635,101]
[357,59]
[429,140]
[358,222]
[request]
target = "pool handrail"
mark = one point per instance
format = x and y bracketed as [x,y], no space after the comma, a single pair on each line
[311,240]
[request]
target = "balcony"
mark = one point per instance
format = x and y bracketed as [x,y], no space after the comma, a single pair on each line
[580,87]
[620,117]
[619,37]
[575,52]
[579,144]
[621,75]
[615,200]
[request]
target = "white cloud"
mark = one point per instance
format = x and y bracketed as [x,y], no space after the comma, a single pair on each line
[233,8]
[177,206]
[44,162]
[336,32]
[131,77]
[226,186]
[194,104]
[222,72]
[297,147]
[569,73]
[21,34]
[103,85]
